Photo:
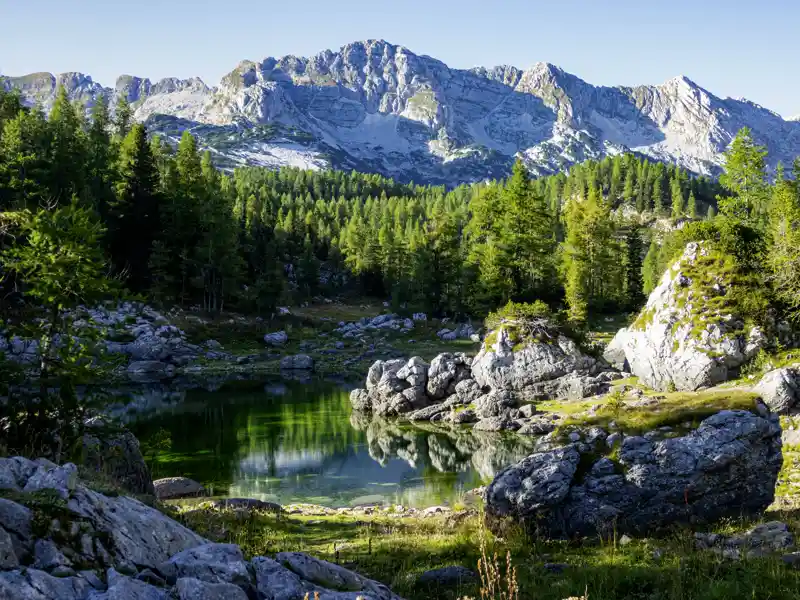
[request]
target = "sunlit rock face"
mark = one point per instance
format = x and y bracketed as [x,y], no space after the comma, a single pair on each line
[379,107]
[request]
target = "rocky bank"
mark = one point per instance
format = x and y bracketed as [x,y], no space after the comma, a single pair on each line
[62,540]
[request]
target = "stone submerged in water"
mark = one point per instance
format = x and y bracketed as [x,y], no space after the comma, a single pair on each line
[727,467]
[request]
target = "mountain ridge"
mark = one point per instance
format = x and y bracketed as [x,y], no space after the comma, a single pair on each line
[379,107]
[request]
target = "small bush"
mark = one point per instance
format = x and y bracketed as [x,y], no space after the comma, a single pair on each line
[519,311]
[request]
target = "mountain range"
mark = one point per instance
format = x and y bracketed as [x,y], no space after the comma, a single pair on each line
[377,107]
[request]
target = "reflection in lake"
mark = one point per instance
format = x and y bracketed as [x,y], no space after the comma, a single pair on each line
[290,441]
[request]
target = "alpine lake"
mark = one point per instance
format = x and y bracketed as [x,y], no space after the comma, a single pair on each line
[295,441]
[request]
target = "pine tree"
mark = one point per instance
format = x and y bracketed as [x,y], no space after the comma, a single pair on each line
[134,212]
[745,179]
[692,206]
[122,118]
[678,201]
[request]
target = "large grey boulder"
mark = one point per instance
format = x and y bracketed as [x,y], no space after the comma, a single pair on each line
[680,340]
[535,366]
[115,453]
[727,467]
[780,390]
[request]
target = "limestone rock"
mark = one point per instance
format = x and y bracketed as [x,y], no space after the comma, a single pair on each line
[679,340]
[62,480]
[780,390]
[331,576]
[446,372]
[529,366]
[275,581]
[279,338]
[121,587]
[727,467]
[8,556]
[189,588]
[140,534]
[33,584]
[212,563]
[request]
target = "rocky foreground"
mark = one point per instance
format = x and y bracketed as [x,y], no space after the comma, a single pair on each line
[62,540]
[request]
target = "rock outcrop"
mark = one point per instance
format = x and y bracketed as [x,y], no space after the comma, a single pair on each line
[536,361]
[96,547]
[727,467]
[688,336]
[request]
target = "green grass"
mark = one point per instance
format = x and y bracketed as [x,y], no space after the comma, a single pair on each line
[675,409]
[396,551]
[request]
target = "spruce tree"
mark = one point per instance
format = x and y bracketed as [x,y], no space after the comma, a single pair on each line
[134,212]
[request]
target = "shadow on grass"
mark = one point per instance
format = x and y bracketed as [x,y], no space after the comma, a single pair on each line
[397,551]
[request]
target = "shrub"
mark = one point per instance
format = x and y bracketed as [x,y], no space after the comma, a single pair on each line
[519,311]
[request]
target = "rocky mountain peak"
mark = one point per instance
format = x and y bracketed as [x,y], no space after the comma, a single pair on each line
[376,106]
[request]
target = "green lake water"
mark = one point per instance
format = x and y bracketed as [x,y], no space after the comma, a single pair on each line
[290,441]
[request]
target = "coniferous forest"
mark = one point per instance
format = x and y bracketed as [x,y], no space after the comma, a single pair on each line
[178,231]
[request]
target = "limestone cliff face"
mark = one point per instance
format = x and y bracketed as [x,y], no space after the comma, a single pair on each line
[380,107]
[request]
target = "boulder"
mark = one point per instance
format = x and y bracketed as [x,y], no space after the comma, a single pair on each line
[534,359]
[279,338]
[688,336]
[188,588]
[394,387]
[727,467]
[446,371]
[332,577]
[297,362]
[212,563]
[171,488]
[121,587]
[780,390]
[115,453]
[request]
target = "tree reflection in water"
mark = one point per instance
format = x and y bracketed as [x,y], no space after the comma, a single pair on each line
[291,441]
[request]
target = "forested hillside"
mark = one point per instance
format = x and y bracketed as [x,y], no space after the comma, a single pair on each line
[179,231]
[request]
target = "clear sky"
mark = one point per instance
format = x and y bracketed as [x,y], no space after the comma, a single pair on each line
[732,48]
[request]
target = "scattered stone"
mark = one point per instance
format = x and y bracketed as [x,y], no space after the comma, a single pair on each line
[279,338]
[171,488]
[248,504]
[298,362]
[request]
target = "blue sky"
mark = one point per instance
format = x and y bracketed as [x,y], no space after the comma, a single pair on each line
[733,48]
